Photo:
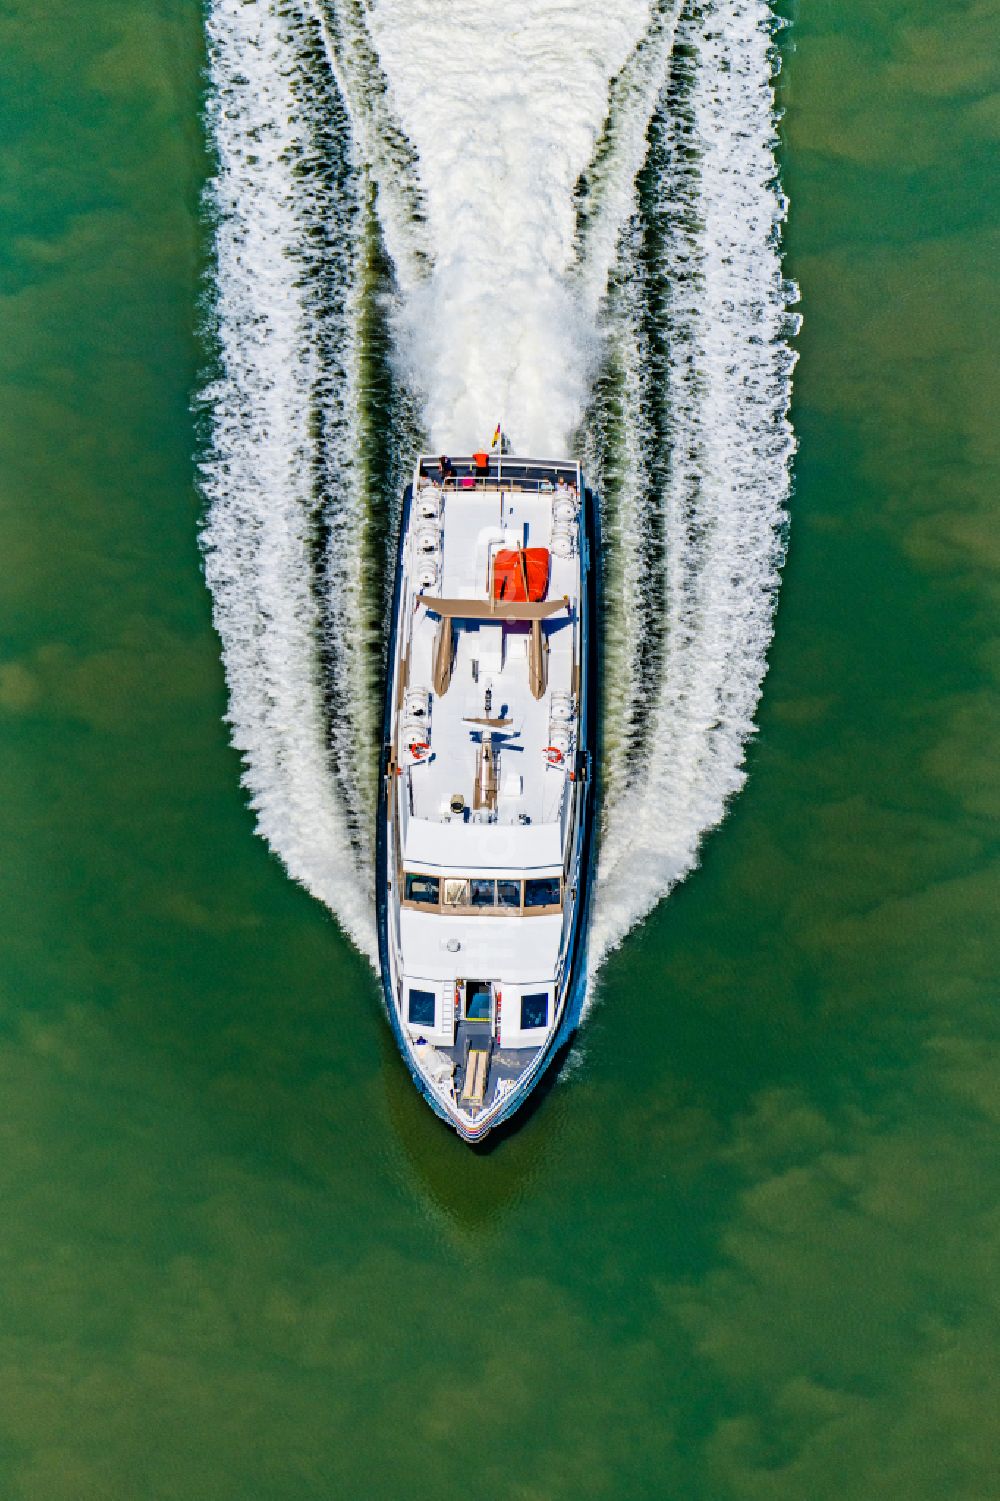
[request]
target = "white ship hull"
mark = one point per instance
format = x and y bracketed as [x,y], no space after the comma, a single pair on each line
[485,819]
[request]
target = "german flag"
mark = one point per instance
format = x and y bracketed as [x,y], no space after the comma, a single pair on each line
[496,437]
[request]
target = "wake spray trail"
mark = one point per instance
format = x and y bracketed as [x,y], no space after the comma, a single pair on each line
[543,177]
[702,296]
[577,220]
[505,106]
[285,474]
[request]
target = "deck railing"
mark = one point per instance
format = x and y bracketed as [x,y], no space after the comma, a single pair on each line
[510,475]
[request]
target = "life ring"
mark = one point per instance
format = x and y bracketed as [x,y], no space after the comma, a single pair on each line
[419,749]
[554,755]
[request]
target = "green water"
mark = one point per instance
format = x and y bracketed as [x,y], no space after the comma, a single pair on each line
[748,1250]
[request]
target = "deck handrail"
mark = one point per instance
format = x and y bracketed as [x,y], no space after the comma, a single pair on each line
[502,483]
[508,474]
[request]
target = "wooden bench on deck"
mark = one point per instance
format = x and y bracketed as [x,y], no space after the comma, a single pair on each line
[477,1067]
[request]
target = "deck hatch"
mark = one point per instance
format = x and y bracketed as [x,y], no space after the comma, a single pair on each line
[478,1001]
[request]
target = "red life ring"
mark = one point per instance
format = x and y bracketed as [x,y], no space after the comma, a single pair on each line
[554,755]
[419,749]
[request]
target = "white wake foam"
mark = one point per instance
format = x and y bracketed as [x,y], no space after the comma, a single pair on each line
[476,126]
[725,404]
[504,104]
[608,200]
[381,145]
[260,473]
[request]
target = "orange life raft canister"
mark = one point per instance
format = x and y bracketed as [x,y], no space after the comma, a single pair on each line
[509,574]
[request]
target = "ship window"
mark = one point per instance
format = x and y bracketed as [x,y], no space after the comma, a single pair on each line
[508,893]
[422,889]
[422,1008]
[541,891]
[456,893]
[483,893]
[534,1010]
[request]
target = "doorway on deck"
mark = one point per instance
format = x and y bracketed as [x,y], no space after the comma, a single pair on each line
[478,1001]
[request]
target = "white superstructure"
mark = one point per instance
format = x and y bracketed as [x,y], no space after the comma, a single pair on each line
[486,779]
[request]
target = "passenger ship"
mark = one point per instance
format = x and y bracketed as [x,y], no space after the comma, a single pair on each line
[485,820]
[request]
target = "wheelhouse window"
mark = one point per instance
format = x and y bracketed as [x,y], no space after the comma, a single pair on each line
[421,1008]
[534,1010]
[482,893]
[542,891]
[456,892]
[423,889]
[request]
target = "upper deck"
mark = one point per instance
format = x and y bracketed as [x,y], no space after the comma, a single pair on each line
[488,686]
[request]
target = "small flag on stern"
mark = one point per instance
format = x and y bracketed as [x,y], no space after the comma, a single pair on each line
[496,437]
